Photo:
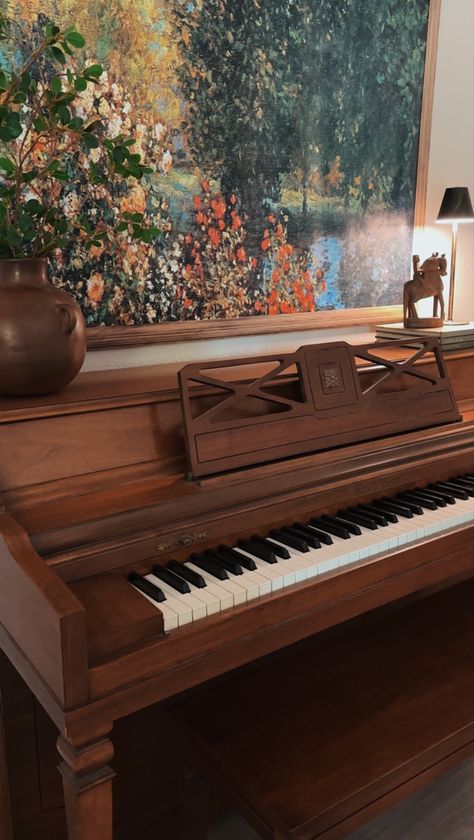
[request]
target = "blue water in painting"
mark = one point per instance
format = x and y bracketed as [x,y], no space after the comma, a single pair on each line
[327,253]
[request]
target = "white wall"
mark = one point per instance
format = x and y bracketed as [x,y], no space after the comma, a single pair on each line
[451,164]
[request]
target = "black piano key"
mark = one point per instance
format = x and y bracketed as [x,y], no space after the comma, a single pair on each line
[390,516]
[430,494]
[289,540]
[470,476]
[352,527]
[322,536]
[369,510]
[296,535]
[171,579]
[414,506]
[147,587]
[209,566]
[241,559]
[397,507]
[278,550]
[311,539]
[445,493]
[359,519]
[228,563]
[457,492]
[235,555]
[343,533]
[463,485]
[188,574]
[465,482]
[419,498]
[258,550]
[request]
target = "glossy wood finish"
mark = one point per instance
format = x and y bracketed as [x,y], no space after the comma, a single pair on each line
[93,482]
[338,394]
[322,732]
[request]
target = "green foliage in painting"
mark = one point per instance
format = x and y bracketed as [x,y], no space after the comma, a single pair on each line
[40,133]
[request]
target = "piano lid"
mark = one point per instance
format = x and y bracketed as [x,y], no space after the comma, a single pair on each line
[319,397]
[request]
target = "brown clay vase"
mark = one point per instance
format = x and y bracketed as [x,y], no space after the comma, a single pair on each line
[42,330]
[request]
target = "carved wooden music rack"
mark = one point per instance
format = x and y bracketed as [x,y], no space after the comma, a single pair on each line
[321,396]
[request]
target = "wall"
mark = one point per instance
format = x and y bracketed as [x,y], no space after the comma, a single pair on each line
[451,164]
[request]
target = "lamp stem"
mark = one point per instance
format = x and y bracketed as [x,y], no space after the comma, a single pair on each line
[454,242]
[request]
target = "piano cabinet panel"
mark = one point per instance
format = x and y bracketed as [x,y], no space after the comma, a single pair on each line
[150,752]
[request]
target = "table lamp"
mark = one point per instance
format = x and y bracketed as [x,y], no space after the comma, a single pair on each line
[455,209]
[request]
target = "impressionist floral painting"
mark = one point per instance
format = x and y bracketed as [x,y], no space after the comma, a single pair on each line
[283,138]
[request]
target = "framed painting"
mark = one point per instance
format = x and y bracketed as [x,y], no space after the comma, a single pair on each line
[289,145]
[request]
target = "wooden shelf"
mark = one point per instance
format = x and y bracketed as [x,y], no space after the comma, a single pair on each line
[314,741]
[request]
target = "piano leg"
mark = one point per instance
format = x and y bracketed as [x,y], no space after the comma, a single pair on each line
[87,782]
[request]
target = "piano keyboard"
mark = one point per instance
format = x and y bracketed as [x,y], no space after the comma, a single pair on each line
[227,576]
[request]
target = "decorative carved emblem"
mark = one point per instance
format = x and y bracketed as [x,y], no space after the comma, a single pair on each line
[331,379]
[183,540]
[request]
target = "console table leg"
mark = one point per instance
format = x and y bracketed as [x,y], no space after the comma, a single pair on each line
[87,782]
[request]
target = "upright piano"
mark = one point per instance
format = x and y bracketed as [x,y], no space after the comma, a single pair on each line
[142,556]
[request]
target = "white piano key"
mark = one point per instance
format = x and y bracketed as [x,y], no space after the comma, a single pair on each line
[173,601]
[215,586]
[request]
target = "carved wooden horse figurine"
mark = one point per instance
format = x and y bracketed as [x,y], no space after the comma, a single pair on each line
[426,283]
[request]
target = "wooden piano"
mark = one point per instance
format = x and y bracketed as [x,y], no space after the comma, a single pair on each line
[97,483]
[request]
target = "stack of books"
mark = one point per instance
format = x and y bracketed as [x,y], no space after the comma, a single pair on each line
[450,336]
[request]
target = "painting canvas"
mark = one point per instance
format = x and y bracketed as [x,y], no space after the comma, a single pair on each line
[283,135]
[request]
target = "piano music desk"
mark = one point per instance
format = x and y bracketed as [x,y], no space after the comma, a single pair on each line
[92,484]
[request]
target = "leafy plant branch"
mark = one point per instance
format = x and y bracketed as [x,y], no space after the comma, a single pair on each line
[41,130]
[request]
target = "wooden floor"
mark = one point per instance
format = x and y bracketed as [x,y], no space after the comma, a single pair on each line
[442,811]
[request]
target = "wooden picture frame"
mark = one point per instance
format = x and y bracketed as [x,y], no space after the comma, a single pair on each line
[175,331]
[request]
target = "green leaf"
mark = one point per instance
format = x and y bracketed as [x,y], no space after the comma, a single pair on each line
[12,236]
[80,84]
[7,165]
[58,55]
[3,81]
[90,141]
[56,87]
[40,124]
[25,82]
[75,39]
[76,123]
[33,207]
[121,227]
[94,71]
[64,114]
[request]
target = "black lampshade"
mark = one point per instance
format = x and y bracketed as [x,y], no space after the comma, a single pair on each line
[456,206]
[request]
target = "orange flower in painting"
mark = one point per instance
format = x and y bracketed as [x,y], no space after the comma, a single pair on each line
[276,274]
[187,303]
[253,262]
[201,218]
[95,287]
[286,266]
[218,205]
[188,269]
[286,307]
[323,286]
[214,236]
[258,306]
[271,218]
[221,224]
[241,255]
[186,37]
[188,239]
[197,201]
[236,222]
[279,231]
[319,273]
[233,199]
[265,244]
[205,186]
[273,310]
